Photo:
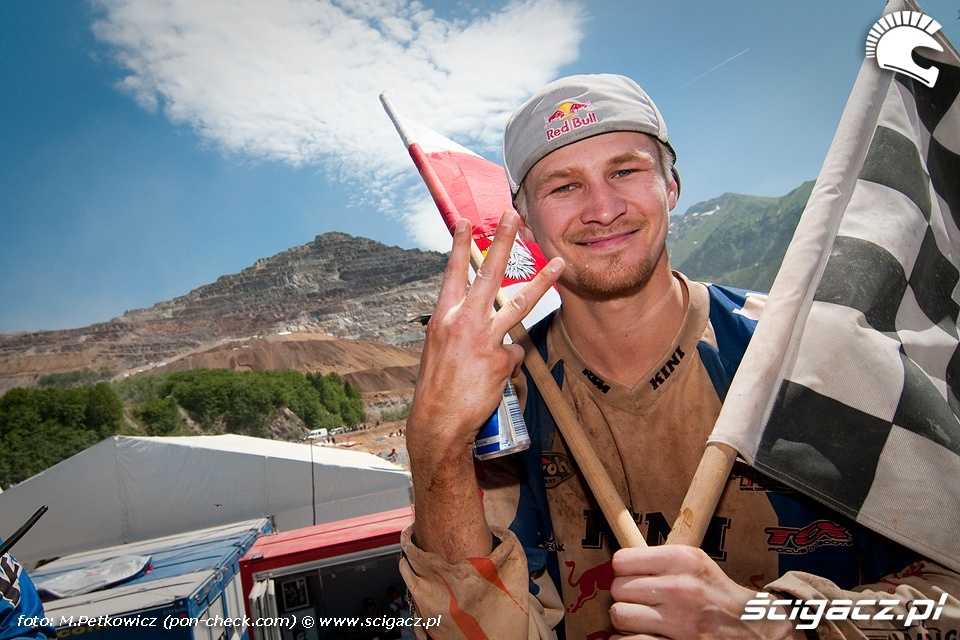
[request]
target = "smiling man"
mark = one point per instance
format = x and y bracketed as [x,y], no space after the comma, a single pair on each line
[517,547]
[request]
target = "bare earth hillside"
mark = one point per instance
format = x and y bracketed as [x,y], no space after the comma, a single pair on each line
[339,303]
[384,374]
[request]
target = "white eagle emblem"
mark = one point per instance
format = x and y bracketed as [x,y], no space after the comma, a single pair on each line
[521,265]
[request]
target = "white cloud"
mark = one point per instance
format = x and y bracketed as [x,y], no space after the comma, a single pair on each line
[297,81]
[424,224]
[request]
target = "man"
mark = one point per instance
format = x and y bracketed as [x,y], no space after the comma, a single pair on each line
[517,548]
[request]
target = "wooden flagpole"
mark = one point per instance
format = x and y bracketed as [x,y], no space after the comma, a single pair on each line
[617,514]
[703,495]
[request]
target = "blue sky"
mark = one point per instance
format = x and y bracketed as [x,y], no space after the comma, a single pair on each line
[148,147]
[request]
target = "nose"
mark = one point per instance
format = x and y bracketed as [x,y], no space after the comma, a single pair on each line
[603,205]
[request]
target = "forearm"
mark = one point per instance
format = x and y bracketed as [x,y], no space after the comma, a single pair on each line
[452,568]
[464,367]
[449,518]
[450,564]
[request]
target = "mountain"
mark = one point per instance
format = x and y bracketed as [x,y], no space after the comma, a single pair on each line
[736,240]
[349,288]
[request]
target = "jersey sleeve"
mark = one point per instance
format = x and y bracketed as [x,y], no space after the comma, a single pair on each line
[479,598]
[21,611]
[510,594]
[919,602]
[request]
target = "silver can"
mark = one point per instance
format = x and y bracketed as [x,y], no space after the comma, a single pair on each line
[505,432]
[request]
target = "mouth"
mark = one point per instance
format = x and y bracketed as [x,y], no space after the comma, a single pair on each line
[607,241]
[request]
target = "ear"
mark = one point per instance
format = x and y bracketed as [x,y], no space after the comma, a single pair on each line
[525,231]
[673,193]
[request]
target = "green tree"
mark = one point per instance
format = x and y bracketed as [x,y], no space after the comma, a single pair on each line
[243,402]
[82,377]
[353,411]
[203,392]
[296,392]
[160,416]
[103,411]
[140,388]
[339,398]
[329,389]
[39,428]
[250,402]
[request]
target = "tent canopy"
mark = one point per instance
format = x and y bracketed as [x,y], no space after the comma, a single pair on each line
[127,489]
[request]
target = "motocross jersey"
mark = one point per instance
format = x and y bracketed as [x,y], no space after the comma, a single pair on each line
[551,573]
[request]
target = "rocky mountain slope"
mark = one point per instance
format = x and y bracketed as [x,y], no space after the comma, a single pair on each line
[336,286]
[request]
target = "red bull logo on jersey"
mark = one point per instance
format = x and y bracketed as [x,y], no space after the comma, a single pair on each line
[568,116]
[590,583]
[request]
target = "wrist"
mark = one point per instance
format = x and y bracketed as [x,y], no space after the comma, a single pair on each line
[438,443]
[449,518]
[447,476]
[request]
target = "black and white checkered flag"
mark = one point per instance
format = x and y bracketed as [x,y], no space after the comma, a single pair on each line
[850,390]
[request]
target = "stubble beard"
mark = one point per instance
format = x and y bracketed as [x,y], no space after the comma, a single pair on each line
[610,280]
[609,277]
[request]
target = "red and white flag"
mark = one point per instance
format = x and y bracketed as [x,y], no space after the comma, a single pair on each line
[466,185]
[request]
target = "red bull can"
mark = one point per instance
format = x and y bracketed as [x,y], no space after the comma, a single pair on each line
[505,432]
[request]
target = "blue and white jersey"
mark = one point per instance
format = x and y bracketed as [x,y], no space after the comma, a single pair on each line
[21,611]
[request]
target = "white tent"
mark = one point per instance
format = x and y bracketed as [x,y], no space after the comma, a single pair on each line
[128,489]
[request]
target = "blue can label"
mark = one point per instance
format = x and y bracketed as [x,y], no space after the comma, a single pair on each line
[505,432]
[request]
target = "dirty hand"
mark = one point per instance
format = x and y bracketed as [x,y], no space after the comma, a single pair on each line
[678,592]
[464,368]
[465,364]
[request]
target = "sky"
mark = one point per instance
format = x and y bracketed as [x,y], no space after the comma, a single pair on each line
[149,147]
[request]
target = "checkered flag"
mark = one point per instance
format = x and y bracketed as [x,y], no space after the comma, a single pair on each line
[850,390]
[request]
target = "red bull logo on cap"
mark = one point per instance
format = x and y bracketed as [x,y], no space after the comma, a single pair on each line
[566,109]
[567,116]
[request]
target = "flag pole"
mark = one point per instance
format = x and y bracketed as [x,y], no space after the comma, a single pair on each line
[615,511]
[703,495]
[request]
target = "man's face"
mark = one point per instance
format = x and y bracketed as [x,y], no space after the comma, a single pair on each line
[603,205]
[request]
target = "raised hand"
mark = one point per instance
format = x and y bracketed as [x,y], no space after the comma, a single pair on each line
[464,368]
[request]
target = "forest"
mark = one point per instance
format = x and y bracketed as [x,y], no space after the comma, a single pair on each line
[67,413]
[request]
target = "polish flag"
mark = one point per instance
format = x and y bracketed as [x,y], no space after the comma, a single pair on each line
[466,185]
